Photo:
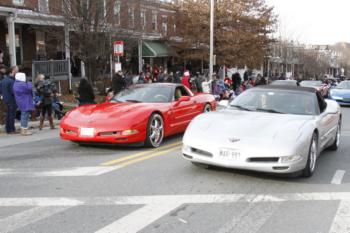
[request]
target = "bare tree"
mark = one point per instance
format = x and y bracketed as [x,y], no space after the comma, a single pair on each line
[242,29]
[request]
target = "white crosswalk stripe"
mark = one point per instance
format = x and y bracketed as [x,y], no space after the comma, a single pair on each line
[27,217]
[341,222]
[57,172]
[250,220]
[259,209]
[139,218]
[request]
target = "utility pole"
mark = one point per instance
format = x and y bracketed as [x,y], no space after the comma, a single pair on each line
[211,55]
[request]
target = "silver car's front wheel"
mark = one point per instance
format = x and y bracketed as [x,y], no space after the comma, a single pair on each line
[312,158]
[336,142]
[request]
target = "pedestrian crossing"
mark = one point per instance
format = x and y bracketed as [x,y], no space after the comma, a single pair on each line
[258,211]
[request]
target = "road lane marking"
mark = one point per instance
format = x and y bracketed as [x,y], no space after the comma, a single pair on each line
[129,157]
[338,176]
[341,222]
[140,218]
[57,172]
[27,217]
[148,156]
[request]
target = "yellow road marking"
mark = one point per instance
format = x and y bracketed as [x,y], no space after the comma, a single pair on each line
[148,156]
[129,157]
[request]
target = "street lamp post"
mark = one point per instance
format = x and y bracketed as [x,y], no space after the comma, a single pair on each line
[211,53]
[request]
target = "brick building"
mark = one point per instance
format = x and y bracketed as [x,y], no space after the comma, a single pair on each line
[24,36]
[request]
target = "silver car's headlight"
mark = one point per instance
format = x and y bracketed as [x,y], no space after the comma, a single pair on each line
[289,159]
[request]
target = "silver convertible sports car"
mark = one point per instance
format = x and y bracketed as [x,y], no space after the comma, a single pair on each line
[274,129]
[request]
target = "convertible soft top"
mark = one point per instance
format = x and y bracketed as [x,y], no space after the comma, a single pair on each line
[288,88]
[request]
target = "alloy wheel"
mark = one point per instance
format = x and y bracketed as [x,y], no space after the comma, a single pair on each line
[313,155]
[156,130]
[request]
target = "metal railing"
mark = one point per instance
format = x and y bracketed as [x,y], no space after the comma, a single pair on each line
[52,68]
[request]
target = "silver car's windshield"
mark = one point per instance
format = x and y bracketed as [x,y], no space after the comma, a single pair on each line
[277,101]
[344,85]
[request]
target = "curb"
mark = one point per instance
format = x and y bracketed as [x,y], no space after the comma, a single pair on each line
[31,125]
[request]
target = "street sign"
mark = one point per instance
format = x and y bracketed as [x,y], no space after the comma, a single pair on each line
[118,48]
[117,66]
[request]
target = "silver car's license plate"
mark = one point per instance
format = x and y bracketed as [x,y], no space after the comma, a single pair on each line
[229,154]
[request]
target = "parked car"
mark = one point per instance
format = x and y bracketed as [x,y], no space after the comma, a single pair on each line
[341,93]
[285,83]
[318,85]
[275,129]
[144,113]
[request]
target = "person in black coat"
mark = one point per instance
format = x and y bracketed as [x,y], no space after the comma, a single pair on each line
[9,99]
[86,93]
[118,82]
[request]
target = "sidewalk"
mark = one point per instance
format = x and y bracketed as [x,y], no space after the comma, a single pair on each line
[31,125]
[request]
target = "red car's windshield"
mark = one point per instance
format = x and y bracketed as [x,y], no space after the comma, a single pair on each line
[145,94]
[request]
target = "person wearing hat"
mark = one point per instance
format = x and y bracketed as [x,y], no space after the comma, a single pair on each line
[186,80]
[23,92]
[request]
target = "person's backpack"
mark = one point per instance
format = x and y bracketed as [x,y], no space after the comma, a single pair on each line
[47,89]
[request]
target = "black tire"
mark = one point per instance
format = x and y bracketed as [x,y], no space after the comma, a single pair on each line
[312,157]
[155,133]
[336,142]
[207,108]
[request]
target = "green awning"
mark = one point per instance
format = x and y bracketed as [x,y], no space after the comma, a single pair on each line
[156,49]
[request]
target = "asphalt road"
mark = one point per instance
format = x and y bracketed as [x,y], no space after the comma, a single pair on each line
[48,185]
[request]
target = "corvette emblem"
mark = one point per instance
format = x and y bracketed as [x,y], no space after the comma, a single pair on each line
[234,140]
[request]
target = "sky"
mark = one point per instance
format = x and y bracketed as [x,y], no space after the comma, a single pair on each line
[313,21]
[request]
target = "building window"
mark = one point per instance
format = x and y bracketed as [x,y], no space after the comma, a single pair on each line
[116,11]
[143,19]
[164,25]
[154,21]
[40,45]
[131,13]
[18,2]
[43,6]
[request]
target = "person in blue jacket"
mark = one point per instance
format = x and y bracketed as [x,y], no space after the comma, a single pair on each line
[9,99]
[23,91]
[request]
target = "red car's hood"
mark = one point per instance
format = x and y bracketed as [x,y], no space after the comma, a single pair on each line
[108,114]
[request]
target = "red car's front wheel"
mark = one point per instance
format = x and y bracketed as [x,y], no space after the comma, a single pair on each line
[155,130]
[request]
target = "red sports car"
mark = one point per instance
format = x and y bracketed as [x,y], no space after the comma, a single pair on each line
[144,113]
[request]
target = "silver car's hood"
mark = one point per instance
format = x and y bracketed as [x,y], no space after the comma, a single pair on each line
[257,126]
